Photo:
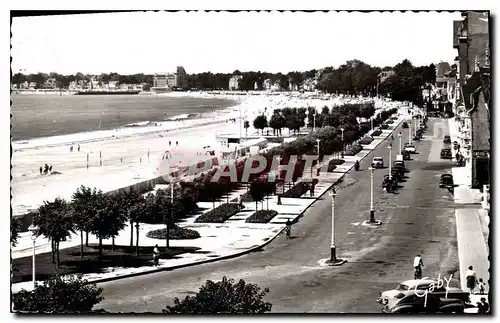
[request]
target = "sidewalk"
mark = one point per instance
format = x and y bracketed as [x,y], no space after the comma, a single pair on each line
[218,240]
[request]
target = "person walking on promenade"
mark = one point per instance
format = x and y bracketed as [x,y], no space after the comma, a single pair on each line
[288,228]
[471,279]
[481,286]
[484,307]
[41,170]
[418,263]
[156,255]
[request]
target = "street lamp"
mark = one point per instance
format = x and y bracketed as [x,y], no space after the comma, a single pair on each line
[371,119]
[372,221]
[314,121]
[390,160]
[342,139]
[333,261]
[400,149]
[33,229]
[409,131]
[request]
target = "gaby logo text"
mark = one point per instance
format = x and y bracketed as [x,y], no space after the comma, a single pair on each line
[432,287]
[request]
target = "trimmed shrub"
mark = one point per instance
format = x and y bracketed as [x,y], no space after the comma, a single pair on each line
[384,126]
[262,216]
[299,189]
[377,133]
[175,233]
[337,161]
[366,141]
[353,150]
[219,214]
[389,121]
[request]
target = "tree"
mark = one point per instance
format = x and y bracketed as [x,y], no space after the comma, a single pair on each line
[54,220]
[260,122]
[108,220]
[223,297]
[15,226]
[58,295]
[275,122]
[131,204]
[246,125]
[84,207]
[257,191]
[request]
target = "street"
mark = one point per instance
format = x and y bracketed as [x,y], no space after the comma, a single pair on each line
[417,218]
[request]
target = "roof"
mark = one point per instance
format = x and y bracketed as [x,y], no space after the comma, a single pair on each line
[442,68]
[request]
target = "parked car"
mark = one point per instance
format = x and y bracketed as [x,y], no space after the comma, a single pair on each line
[423,284]
[447,140]
[413,302]
[446,180]
[406,155]
[399,163]
[378,162]
[405,125]
[410,148]
[446,153]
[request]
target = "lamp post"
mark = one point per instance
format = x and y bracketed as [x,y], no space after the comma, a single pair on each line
[333,261]
[33,229]
[400,149]
[371,120]
[409,131]
[372,221]
[390,162]
[342,139]
[314,121]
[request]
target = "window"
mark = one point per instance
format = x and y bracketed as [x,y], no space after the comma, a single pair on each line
[403,287]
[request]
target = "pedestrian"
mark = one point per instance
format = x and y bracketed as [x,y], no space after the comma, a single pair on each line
[471,279]
[50,168]
[78,147]
[71,149]
[169,143]
[156,255]
[485,307]
[176,143]
[288,229]
[481,286]
[46,169]
[41,170]
[418,263]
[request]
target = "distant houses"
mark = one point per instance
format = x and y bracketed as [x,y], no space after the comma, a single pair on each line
[234,82]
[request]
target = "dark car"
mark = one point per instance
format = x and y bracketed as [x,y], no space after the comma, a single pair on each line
[447,139]
[446,153]
[419,302]
[398,163]
[446,180]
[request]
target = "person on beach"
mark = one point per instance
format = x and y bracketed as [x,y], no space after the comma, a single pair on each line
[78,147]
[41,170]
[46,169]
[156,255]
[71,149]
[50,168]
[471,279]
[169,143]
[177,143]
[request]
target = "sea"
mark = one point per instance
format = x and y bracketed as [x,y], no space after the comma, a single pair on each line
[40,116]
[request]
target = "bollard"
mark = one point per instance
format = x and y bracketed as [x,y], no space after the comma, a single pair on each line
[100,158]
[87,161]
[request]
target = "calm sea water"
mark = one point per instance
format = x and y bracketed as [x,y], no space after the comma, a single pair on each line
[35,116]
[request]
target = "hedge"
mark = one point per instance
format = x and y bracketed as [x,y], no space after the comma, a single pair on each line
[353,150]
[377,133]
[175,233]
[219,214]
[366,141]
[262,216]
[384,126]
[337,161]
[299,189]
[389,122]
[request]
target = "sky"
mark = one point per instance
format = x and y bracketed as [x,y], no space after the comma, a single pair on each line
[156,42]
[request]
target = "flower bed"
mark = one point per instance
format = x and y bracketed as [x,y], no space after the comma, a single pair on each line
[219,214]
[262,216]
[175,233]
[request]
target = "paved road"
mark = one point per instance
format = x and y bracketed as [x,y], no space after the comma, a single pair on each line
[419,218]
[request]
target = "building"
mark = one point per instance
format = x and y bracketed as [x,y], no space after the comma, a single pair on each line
[171,80]
[472,92]
[266,85]
[382,76]
[234,82]
[32,85]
